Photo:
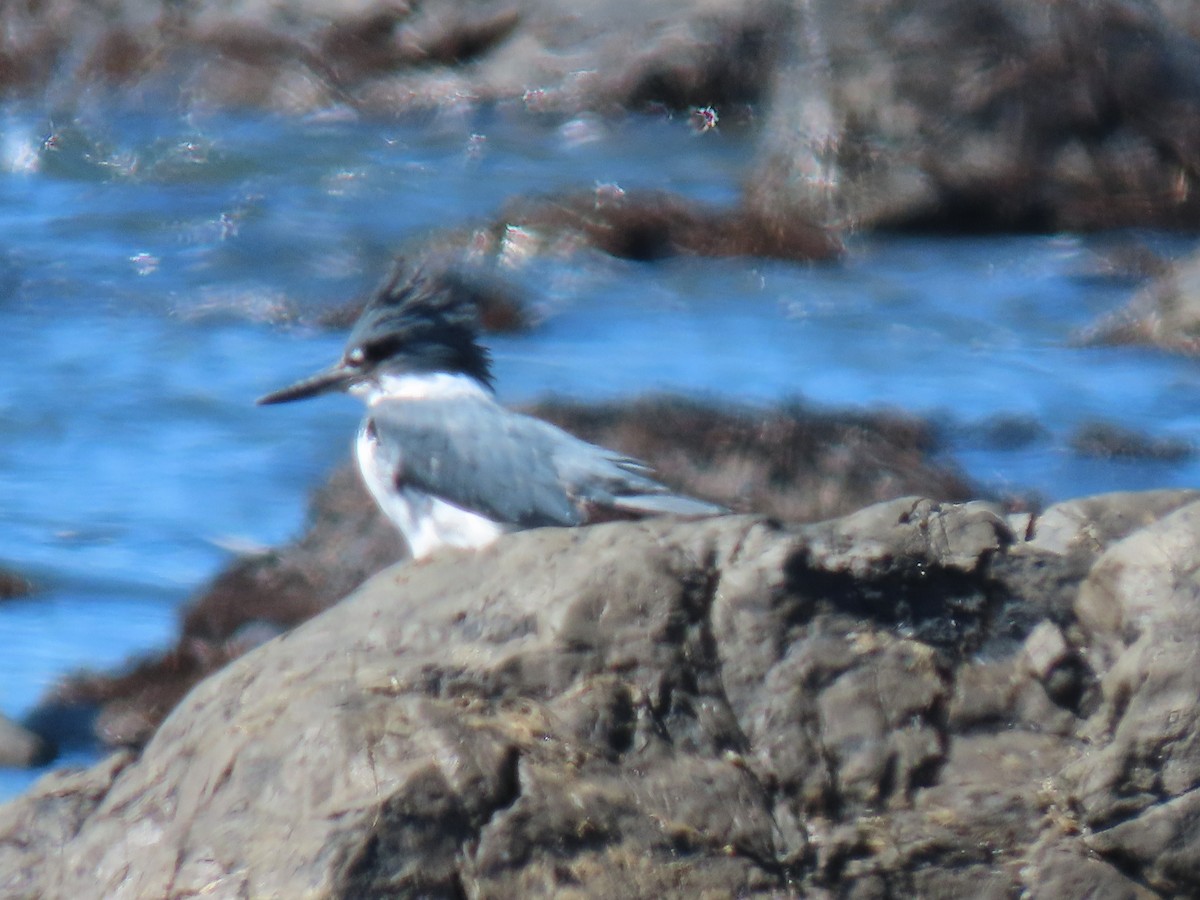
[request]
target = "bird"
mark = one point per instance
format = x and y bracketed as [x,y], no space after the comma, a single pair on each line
[444,460]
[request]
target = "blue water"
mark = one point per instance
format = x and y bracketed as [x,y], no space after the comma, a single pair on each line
[157,273]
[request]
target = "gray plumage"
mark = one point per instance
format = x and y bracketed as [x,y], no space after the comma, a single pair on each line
[513,468]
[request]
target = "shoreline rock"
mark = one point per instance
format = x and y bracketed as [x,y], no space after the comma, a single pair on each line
[919,699]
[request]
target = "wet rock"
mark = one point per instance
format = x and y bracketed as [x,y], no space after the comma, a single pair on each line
[1165,313]
[1107,441]
[791,464]
[999,432]
[20,747]
[637,225]
[650,225]
[913,700]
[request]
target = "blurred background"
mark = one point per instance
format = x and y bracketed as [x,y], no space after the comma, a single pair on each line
[961,228]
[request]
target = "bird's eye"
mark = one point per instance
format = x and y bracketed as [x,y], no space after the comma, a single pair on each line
[356,357]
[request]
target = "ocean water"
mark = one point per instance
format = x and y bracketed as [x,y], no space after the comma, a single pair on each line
[158,271]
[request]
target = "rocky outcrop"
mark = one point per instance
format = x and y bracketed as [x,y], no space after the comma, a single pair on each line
[384,56]
[990,115]
[913,700]
[791,463]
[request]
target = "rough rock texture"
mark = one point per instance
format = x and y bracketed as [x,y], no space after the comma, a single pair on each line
[789,463]
[914,700]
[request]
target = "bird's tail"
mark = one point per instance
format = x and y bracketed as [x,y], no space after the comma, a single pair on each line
[667,504]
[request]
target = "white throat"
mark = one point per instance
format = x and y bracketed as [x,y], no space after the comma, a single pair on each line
[428,386]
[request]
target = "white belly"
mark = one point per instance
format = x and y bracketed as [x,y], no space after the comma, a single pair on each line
[426,522]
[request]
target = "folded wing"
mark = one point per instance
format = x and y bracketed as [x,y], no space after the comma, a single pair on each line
[475,454]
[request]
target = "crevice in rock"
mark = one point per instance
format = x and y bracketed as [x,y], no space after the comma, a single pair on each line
[954,611]
[508,787]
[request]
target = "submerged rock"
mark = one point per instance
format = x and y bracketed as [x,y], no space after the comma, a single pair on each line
[13,584]
[1107,441]
[914,700]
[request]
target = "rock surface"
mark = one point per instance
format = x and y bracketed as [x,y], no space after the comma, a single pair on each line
[913,700]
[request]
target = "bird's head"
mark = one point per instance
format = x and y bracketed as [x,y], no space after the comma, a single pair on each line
[416,323]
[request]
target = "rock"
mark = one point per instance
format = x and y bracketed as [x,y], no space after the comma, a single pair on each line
[997,115]
[912,700]
[1165,313]
[1107,441]
[388,57]
[790,463]
[1140,607]
[13,585]
[649,225]
[1089,525]
[20,747]
[50,814]
[1004,114]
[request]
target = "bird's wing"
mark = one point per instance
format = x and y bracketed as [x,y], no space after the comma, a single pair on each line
[599,478]
[477,455]
[515,468]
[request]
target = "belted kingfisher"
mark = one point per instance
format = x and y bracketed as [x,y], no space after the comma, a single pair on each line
[443,459]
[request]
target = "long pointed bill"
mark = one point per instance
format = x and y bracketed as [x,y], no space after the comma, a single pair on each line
[337,377]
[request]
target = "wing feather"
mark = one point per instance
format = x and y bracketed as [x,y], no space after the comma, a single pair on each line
[471,452]
[474,453]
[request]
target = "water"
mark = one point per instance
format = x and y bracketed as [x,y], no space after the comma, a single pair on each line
[156,272]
